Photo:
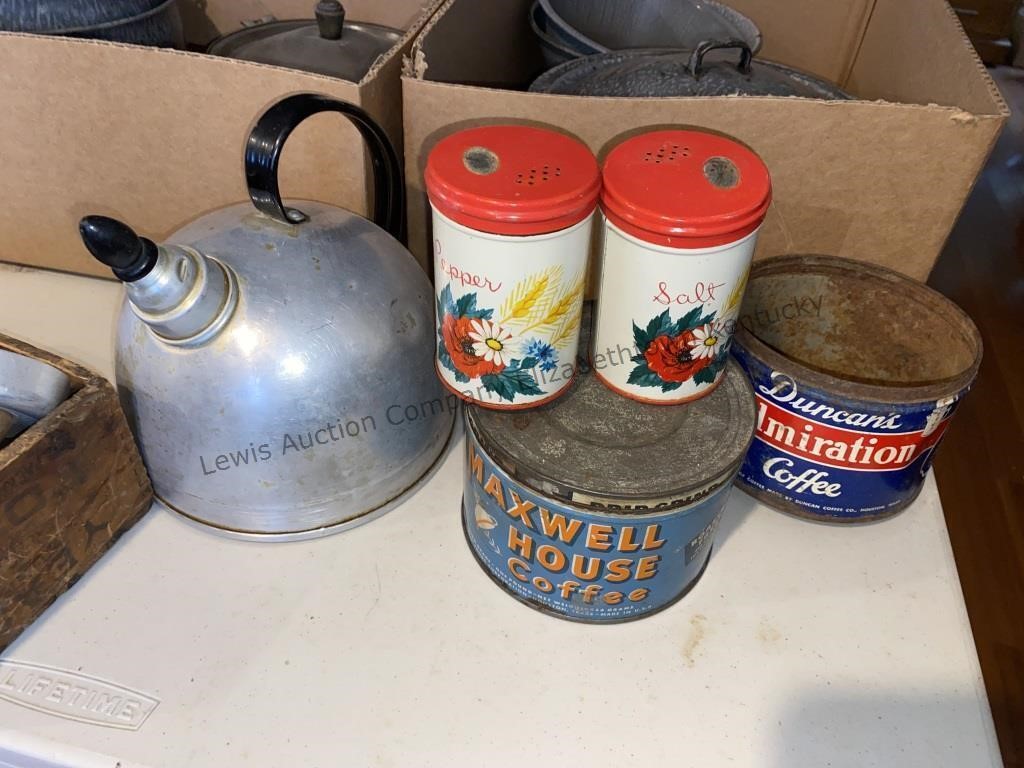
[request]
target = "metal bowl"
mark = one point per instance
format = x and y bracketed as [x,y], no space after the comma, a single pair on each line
[141,22]
[599,26]
[554,49]
[58,16]
[29,389]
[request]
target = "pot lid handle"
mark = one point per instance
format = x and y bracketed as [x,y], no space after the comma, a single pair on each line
[330,19]
[697,57]
[263,156]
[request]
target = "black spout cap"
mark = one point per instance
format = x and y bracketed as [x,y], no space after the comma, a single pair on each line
[115,244]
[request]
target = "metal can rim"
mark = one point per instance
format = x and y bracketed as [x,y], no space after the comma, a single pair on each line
[535,478]
[855,390]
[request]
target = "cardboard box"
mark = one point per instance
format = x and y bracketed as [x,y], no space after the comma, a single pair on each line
[70,486]
[881,179]
[155,137]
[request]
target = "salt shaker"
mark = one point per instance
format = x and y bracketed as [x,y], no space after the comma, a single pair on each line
[682,210]
[512,212]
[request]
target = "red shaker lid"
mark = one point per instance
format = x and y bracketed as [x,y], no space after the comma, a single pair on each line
[685,189]
[512,180]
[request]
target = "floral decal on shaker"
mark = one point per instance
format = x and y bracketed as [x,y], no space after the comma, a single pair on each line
[547,355]
[694,347]
[492,343]
[472,344]
[458,349]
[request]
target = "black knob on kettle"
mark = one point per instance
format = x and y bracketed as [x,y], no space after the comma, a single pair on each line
[115,244]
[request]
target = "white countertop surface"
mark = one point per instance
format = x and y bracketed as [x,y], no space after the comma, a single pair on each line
[387,645]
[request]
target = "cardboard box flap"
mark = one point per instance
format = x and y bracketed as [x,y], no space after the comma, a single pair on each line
[917,51]
[818,36]
[488,44]
[492,43]
[816,151]
[881,178]
[153,137]
[901,51]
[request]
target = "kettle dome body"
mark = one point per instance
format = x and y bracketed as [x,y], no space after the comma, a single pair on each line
[315,405]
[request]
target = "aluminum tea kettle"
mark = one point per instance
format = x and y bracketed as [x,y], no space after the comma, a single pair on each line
[276,364]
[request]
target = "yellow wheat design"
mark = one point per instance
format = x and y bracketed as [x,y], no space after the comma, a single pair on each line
[563,313]
[528,300]
[737,293]
[569,326]
[564,303]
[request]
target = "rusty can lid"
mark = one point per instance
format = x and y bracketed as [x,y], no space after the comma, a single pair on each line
[512,180]
[594,448]
[685,189]
[826,349]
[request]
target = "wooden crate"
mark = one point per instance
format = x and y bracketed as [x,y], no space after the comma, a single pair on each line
[70,485]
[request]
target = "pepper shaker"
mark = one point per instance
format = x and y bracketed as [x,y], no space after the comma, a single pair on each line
[512,212]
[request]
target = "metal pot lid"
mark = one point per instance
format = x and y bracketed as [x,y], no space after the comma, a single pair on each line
[593,447]
[599,26]
[669,72]
[58,17]
[328,46]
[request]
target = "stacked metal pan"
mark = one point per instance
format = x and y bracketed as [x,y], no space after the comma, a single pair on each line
[659,48]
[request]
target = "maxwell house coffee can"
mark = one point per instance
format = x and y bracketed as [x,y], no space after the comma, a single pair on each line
[597,508]
[682,210]
[857,371]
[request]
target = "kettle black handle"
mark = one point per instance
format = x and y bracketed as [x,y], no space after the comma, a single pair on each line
[697,57]
[263,155]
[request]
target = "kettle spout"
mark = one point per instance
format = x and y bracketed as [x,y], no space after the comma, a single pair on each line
[115,244]
[185,297]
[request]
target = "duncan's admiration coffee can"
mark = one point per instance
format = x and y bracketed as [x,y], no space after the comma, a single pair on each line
[601,509]
[682,210]
[857,372]
[512,211]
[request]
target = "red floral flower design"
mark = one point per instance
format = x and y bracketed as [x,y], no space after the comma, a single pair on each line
[669,357]
[455,331]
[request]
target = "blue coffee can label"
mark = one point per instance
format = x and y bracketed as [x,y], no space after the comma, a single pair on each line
[832,457]
[592,565]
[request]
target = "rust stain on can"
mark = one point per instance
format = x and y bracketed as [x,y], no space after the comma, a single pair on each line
[857,371]
[597,508]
